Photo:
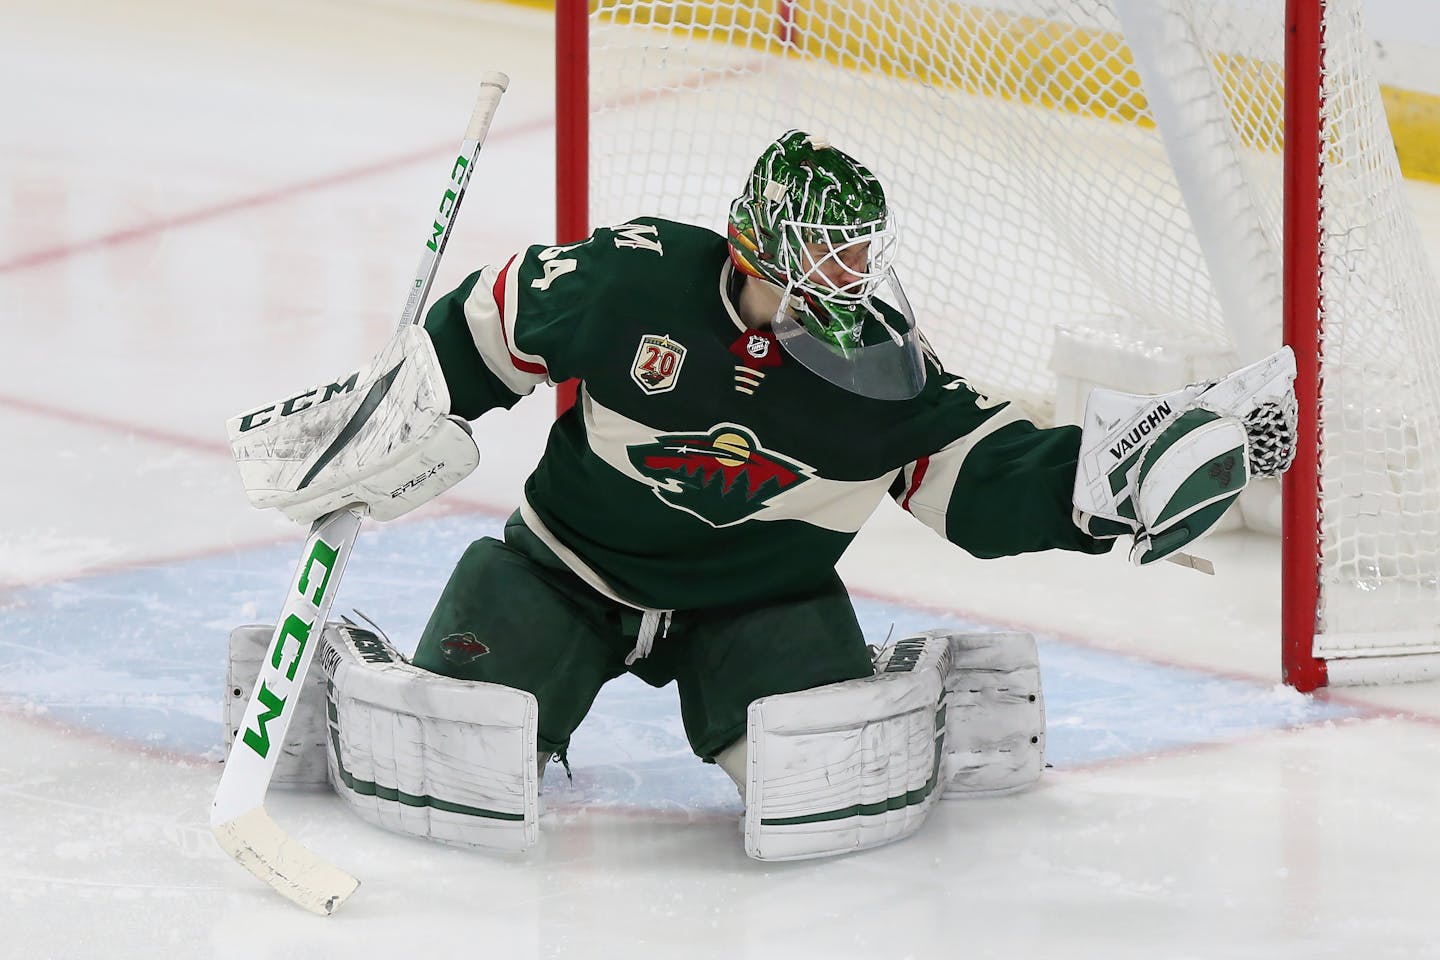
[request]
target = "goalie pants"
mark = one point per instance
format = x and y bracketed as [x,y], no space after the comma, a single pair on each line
[512,613]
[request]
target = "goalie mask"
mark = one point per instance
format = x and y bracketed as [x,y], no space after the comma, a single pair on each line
[814,222]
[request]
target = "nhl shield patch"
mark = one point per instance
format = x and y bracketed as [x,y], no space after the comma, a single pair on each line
[657,363]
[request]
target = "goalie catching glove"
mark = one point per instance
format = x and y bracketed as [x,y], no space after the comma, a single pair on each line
[382,437]
[1165,468]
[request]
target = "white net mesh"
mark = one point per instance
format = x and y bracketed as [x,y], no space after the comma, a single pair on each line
[1380,397]
[1088,171]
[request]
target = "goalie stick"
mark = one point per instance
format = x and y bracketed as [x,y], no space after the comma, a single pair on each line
[237,816]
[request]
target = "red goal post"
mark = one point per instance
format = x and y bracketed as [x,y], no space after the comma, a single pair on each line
[1300,554]
[1128,193]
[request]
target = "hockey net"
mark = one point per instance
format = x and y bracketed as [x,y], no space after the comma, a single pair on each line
[1090,192]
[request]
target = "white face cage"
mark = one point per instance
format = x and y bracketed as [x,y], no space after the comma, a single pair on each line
[816,254]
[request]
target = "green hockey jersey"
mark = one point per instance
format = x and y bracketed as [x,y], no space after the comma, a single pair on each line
[702,466]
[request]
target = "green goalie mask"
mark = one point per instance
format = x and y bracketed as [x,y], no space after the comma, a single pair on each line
[814,222]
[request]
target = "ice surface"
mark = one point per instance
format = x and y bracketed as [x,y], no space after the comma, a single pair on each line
[204,205]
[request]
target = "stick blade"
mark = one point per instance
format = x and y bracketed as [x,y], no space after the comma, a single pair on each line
[1189,560]
[298,875]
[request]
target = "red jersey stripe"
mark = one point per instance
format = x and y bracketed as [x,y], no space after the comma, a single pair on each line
[916,479]
[498,292]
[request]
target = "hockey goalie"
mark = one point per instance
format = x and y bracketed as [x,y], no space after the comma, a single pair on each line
[745,402]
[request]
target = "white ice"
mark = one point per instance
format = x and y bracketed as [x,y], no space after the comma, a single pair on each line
[203,206]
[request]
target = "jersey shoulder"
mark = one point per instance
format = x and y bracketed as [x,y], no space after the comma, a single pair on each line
[641,239]
[653,260]
[638,258]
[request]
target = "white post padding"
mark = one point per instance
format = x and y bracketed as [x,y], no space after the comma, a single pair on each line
[427,755]
[995,721]
[1226,207]
[302,754]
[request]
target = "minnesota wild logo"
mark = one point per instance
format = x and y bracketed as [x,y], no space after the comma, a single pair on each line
[462,648]
[722,477]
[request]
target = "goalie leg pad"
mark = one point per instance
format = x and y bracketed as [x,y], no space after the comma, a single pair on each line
[431,756]
[995,717]
[849,765]
[302,755]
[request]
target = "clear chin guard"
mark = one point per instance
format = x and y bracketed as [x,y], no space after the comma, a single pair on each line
[887,367]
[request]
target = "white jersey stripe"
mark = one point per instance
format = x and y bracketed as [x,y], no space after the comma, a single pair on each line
[839,505]
[493,332]
[930,485]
